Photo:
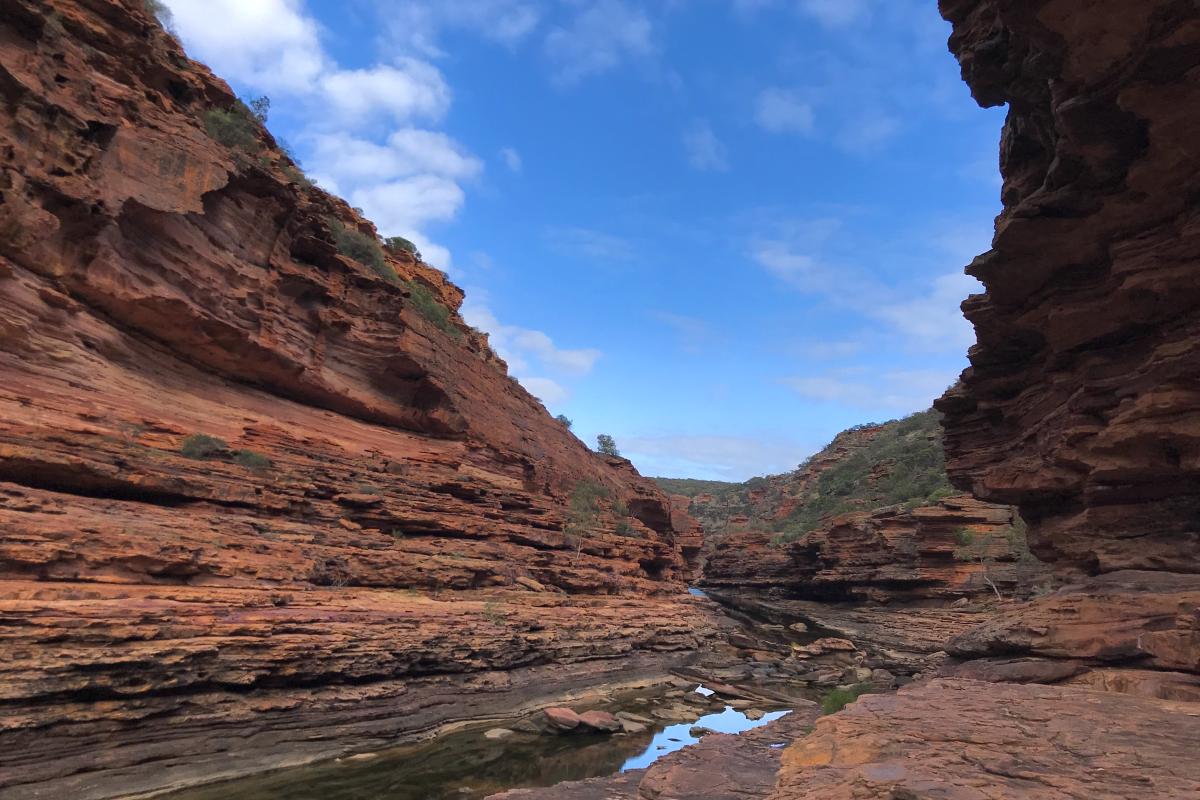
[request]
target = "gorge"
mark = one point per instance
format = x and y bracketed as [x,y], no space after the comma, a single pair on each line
[268,503]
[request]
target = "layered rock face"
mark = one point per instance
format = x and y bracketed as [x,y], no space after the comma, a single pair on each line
[956,548]
[1082,402]
[1080,407]
[379,520]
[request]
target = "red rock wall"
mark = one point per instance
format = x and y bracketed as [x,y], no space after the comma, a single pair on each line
[888,555]
[156,284]
[1082,402]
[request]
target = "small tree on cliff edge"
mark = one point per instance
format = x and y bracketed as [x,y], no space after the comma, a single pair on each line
[607,445]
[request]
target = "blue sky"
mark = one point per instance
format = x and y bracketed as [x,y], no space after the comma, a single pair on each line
[719,230]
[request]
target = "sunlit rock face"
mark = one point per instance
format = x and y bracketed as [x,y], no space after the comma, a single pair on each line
[384,521]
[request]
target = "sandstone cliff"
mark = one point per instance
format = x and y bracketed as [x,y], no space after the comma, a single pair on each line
[869,518]
[1080,407]
[958,547]
[248,482]
[1081,402]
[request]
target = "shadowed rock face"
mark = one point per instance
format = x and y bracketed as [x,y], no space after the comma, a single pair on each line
[1082,403]
[393,535]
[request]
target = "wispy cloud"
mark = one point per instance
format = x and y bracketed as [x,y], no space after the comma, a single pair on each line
[729,458]
[898,391]
[704,150]
[588,244]
[694,335]
[532,355]
[601,36]
[511,159]
[418,25]
[783,111]
[836,13]
[806,255]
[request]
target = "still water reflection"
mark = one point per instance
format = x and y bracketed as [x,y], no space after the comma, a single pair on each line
[466,766]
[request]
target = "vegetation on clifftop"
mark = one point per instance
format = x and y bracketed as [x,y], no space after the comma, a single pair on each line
[690,487]
[864,468]
[903,464]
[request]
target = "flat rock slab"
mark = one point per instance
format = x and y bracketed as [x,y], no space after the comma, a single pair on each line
[955,739]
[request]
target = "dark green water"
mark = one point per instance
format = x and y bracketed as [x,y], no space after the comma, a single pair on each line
[466,766]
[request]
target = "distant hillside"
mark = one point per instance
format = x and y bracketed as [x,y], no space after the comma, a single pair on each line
[900,464]
[864,468]
[690,487]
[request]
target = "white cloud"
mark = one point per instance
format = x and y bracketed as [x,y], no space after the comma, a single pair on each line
[406,152]
[600,37]
[549,391]
[403,180]
[410,88]
[532,355]
[404,206]
[704,150]
[511,159]
[783,111]
[895,391]
[270,44]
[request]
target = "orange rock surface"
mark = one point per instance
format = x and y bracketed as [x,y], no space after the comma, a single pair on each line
[384,525]
[967,740]
[889,555]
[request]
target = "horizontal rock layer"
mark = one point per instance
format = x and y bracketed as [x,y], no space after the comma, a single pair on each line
[891,554]
[1082,401]
[384,523]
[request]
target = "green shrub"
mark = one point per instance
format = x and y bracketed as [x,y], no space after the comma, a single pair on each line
[202,446]
[565,420]
[424,301]
[363,248]
[252,460]
[398,244]
[837,699]
[235,127]
[607,445]
[911,449]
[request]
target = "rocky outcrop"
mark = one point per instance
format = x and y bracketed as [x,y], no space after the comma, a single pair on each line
[962,740]
[250,482]
[764,503]
[959,547]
